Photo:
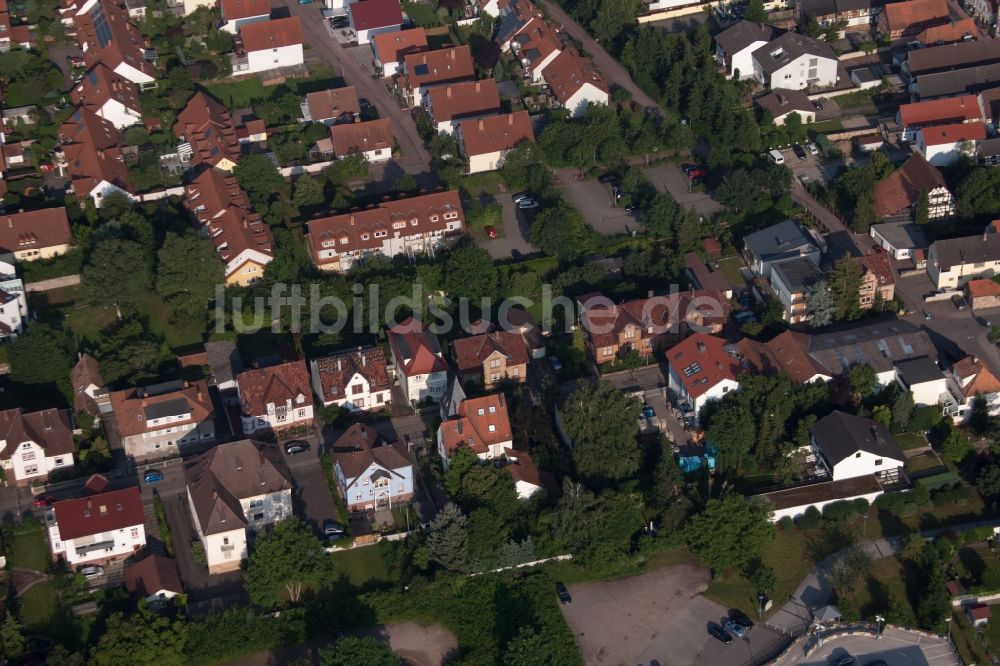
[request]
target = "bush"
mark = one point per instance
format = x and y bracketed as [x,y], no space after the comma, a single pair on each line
[924,418]
[809,520]
[861,506]
[989,581]
[840,510]
[786,523]
[977,534]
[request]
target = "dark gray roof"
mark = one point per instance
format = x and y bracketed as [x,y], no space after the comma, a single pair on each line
[773,56]
[159,410]
[817,8]
[737,37]
[879,345]
[784,239]
[224,360]
[902,235]
[840,435]
[988,147]
[968,250]
[953,56]
[968,80]
[798,274]
[918,370]
[780,101]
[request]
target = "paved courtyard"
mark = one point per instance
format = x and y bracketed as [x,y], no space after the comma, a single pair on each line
[898,647]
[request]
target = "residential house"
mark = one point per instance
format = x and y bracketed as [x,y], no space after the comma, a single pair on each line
[190,6]
[482,424]
[426,69]
[223,212]
[107,36]
[354,380]
[273,44]
[982,294]
[979,614]
[491,358]
[109,95]
[35,444]
[612,331]
[419,362]
[89,154]
[879,345]
[988,152]
[235,490]
[849,13]
[909,18]
[902,240]
[90,395]
[535,47]
[275,398]
[528,477]
[238,13]
[167,419]
[100,527]
[575,83]
[922,377]
[521,322]
[950,57]
[35,234]
[899,193]
[928,113]
[251,130]
[968,379]
[966,81]
[701,370]
[389,49]
[373,139]
[948,33]
[735,45]
[154,579]
[944,144]
[331,106]
[225,364]
[485,141]
[13,301]
[205,128]
[703,276]
[878,283]
[412,225]
[791,281]
[370,472]
[782,103]
[778,243]
[953,262]
[794,61]
[850,446]
[450,105]
[787,353]
[369,18]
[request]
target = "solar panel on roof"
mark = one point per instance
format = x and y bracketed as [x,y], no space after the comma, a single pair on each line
[420,70]
[101,28]
[92,77]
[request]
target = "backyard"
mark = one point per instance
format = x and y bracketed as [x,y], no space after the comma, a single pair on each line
[245,93]
[26,546]
[363,565]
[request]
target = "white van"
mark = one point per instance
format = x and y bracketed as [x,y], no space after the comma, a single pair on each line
[777,157]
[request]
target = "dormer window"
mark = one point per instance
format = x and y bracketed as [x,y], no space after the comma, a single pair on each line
[365,237]
[344,240]
[434,218]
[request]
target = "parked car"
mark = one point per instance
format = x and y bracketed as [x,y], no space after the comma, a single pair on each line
[735,629]
[90,571]
[491,231]
[878,249]
[687,168]
[846,660]
[152,476]
[813,149]
[77,61]
[555,363]
[521,195]
[296,446]
[42,500]
[332,530]
[563,594]
[719,633]
[740,618]
[818,106]
[697,172]
[799,151]
[609,178]
[526,204]
[959,301]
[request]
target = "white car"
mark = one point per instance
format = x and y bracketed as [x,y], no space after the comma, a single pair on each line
[526,203]
[90,571]
[518,198]
[813,149]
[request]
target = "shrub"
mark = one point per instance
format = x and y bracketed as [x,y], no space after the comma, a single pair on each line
[861,506]
[810,519]
[990,579]
[840,510]
[786,523]
[924,418]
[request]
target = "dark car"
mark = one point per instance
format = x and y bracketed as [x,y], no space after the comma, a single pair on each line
[958,301]
[719,633]
[846,660]
[296,446]
[687,167]
[800,152]
[609,177]
[740,618]
[818,106]
[563,594]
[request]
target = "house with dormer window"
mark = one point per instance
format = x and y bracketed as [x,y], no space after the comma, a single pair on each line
[275,398]
[164,420]
[491,358]
[482,424]
[352,380]
[370,472]
[419,362]
[701,370]
[33,444]
[102,526]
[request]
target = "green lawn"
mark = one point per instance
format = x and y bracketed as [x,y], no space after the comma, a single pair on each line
[923,462]
[911,440]
[730,267]
[421,14]
[362,565]
[27,547]
[887,579]
[247,92]
[40,607]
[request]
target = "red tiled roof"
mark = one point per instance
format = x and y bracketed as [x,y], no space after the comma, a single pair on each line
[369,14]
[651,316]
[496,133]
[131,404]
[441,66]
[980,288]
[151,575]
[34,230]
[879,265]
[569,72]
[901,15]
[350,138]
[276,384]
[273,34]
[974,376]
[901,189]
[701,362]
[333,103]
[940,135]
[470,353]
[980,612]
[394,46]
[91,149]
[467,98]
[524,469]
[943,111]
[416,348]
[122,41]
[785,353]
[335,372]
[479,423]
[50,429]
[100,85]
[240,9]
[208,126]
[949,32]
[102,512]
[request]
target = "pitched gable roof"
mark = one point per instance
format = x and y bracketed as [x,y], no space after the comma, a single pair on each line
[394,46]
[701,362]
[99,512]
[416,348]
[276,384]
[441,66]
[100,85]
[90,145]
[233,10]
[496,133]
[788,48]
[360,447]
[463,99]
[208,126]
[152,575]
[902,15]
[34,230]
[135,407]
[472,352]
[943,135]
[334,373]
[369,14]
[742,34]
[879,266]
[975,377]
[273,34]
[50,429]
[569,72]
[350,138]
[478,424]
[840,435]
[964,108]
[901,189]
[333,103]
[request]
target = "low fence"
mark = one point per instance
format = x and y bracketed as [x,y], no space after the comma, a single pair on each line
[972,599]
[535,563]
[298,170]
[673,13]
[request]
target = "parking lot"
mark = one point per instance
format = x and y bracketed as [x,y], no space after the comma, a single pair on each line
[670,178]
[595,202]
[898,647]
[660,618]
[514,236]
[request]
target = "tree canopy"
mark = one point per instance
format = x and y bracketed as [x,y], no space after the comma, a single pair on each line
[351,650]
[188,270]
[117,272]
[730,532]
[41,355]
[283,560]
[602,424]
[143,638]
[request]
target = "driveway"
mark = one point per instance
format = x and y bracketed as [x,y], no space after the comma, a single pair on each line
[415,160]
[311,497]
[670,179]
[594,201]
[659,618]
[515,232]
[898,647]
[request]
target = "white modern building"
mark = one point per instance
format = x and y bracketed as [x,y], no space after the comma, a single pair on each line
[735,45]
[271,45]
[418,360]
[953,262]
[701,370]
[794,61]
[851,446]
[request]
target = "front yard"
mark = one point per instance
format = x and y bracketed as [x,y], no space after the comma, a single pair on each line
[27,547]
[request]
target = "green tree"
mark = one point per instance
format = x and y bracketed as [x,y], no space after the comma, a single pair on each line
[350,651]
[146,637]
[922,212]
[12,637]
[561,231]
[187,272]
[605,444]
[956,446]
[882,414]
[307,192]
[469,272]
[988,482]
[283,560]
[117,272]
[844,282]
[529,648]
[819,300]
[978,193]
[127,351]
[902,409]
[849,568]
[862,379]
[405,183]
[595,528]
[762,576]
[730,532]
[448,540]
[488,487]
[755,12]
[41,355]
[260,178]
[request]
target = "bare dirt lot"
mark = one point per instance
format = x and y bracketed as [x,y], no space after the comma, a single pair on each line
[418,645]
[657,618]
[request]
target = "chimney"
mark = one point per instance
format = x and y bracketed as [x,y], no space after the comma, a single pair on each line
[510,119]
[447,92]
[338,364]
[974,358]
[480,124]
[364,360]
[200,398]
[459,426]
[478,85]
